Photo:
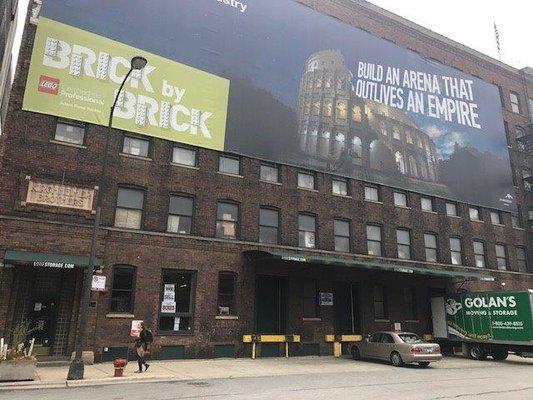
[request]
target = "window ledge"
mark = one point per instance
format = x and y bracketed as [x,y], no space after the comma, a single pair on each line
[76,146]
[271,182]
[498,224]
[430,212]
[227,317]
[476,220]
[518,228]
[453,216]
[119,315]
[232,175]
[312,319]
[374,201]
[135,157]
[184,166]
[307,189]
[412,321]
[403,207]
[382,320]
[344,196]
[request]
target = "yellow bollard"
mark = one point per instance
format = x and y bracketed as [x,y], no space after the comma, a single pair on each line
[286,349]
[253,350]
[337,349]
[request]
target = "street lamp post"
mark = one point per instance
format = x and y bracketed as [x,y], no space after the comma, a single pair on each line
[76,368]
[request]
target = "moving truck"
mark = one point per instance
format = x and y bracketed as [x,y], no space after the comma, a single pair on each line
[485,324]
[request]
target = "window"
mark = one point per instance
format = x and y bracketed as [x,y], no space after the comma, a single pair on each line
[339,187]
[501,257]
[474,214]
[380,303]
[180,214]
[479,254]
[310,298]
[496,217]
[184,156]
[306,231]
[502,98]
[306,180]
[342,235]
[373,240]
[226,293]
[531,105]
[451,210]
[372,193]
[229,165]
[456,255]
[400,199]
[515,102]
[69,133]
[177,314]
[426,203]
[268,226]
[122,290]
[269,173]
[227,220]
[403,239]
[430,244]
[129,211]
[409,304]
[521,260]
[135,146]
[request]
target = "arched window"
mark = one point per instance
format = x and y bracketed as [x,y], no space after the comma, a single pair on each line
[383,128]
[396,133]
[400,162]
[357,146]
[413,167]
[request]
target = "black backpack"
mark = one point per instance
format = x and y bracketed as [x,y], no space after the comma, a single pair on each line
[149,336]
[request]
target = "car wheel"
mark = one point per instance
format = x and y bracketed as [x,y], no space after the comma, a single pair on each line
[424,364]
[396,359]
[356,354]
[476,353]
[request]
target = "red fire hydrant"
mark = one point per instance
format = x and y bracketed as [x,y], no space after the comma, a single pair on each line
[119,365]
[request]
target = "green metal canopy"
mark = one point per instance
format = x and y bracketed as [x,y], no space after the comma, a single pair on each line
[456,272]
[49,260]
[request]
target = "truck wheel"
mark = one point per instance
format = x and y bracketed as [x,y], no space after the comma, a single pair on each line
[396,359]
[356,354]
[500,354]
[476,352]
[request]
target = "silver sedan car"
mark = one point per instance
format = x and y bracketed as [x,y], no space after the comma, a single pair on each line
[397,347]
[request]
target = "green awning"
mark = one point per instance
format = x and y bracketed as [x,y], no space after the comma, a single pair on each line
[455,272]
[48,260]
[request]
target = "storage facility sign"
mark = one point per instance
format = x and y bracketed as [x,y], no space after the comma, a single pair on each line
[502,316]
[278,81]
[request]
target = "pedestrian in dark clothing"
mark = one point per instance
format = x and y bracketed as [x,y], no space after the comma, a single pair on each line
[142,347]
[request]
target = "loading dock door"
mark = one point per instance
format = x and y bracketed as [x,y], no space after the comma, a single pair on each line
[346,308]
[271,305]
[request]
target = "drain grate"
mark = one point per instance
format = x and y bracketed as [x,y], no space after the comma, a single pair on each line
[198,383]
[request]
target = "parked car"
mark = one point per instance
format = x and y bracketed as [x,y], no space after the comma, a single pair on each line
[397,347]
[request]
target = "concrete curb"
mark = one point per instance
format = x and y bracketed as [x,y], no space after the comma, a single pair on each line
[87,383]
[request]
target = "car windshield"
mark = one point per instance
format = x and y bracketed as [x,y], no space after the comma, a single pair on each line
[410,338]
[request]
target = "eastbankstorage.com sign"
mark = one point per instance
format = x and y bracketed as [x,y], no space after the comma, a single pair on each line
[76,74]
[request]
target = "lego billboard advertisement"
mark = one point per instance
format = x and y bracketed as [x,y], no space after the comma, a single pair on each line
[305,89]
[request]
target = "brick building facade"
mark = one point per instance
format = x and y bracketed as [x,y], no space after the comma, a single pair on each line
[199,230]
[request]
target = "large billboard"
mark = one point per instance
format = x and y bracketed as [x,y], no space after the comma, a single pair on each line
[279,81]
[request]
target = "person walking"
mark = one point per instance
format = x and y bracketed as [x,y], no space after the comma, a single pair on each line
[142,347]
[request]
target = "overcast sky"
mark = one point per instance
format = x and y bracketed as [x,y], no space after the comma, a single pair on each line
[471,22]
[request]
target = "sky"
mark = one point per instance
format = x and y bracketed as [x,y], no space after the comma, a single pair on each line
[471,22]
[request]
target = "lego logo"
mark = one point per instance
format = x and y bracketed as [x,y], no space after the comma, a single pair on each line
[48,85]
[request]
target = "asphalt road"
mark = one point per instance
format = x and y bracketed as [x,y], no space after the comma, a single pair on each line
[512,379]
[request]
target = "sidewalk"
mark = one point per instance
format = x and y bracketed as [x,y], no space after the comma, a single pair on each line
[198,370]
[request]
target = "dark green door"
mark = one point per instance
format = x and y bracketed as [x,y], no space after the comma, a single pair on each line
[270,305]
[346,308]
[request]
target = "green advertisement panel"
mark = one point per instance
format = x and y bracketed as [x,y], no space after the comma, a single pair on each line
[76,74]
[500,316]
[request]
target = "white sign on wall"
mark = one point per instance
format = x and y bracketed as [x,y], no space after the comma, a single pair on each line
[326,299]
[98,283]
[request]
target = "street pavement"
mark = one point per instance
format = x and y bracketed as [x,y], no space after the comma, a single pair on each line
[309,378]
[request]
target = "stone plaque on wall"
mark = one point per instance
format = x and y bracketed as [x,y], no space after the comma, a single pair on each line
[59,195]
